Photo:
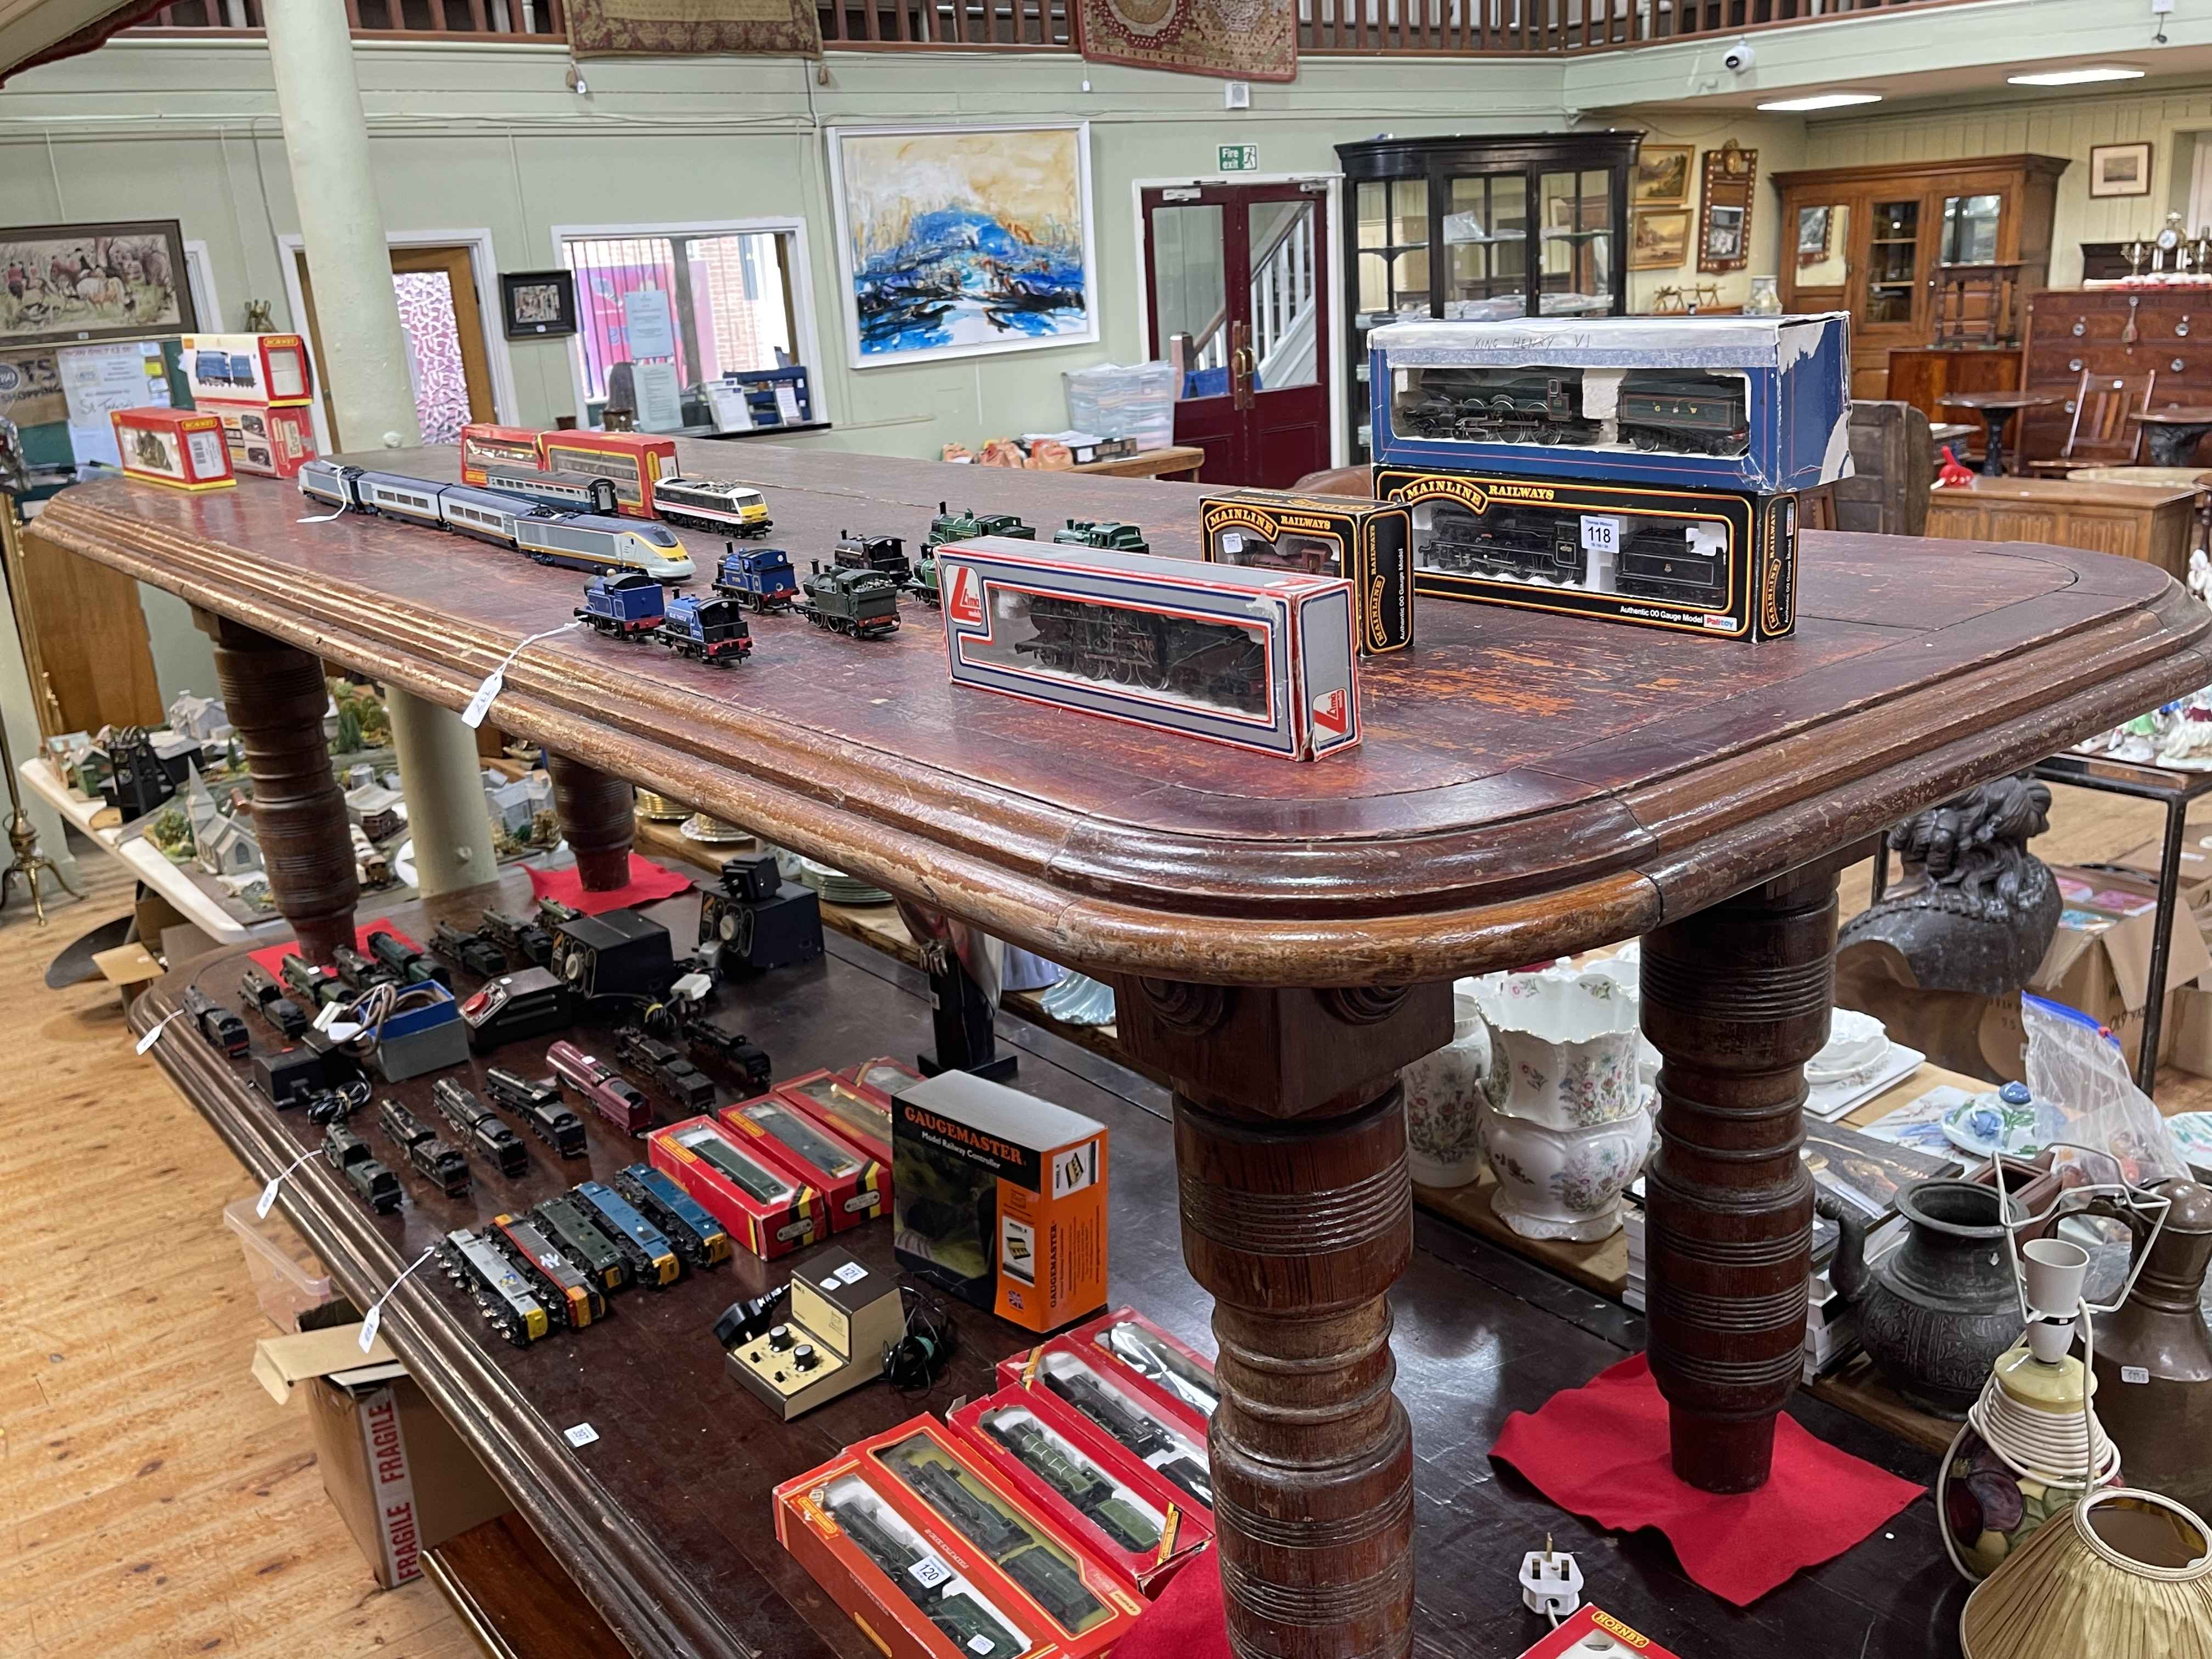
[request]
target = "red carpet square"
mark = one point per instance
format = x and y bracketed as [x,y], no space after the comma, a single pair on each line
[649,883]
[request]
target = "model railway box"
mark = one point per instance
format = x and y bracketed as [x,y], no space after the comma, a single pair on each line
[849,1104]
[1261,659]
[765,1210]
[855,1187]
[1000,1197]
[1370,544]
[487,448]
[914,1583]
[265,369]
[275,441]
[1760,404]
[1166,1373]
[1696,562]
[634,462]
[181,447]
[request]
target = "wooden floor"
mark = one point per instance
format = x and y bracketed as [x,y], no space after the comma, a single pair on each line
[153,1500]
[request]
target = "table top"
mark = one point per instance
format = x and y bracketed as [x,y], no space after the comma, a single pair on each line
[2183,414]
[1529,784]
[2189,478]
[1997,399]
[1148,462]
[2076,491]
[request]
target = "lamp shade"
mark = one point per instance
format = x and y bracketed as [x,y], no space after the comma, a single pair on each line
[2127,1576]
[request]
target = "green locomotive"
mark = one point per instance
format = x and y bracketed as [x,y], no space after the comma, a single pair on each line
[1102,532]
[949,526]
[925,578]
[860,603]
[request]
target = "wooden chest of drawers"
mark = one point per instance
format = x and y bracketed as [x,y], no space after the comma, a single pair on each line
[2115,334]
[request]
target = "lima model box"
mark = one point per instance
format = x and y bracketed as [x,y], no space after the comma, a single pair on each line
[1757,404]
[1260,658]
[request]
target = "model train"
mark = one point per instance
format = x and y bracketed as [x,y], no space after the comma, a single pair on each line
[704,504]
[1095,641]
[761,577]
[1680,562]
[1102,532]
[863,604]
[580,541]
[885,555]
[1656,409]
[951,526]
[712,630]
[224,368]
[628,606]
[1525,543]
[1699,414]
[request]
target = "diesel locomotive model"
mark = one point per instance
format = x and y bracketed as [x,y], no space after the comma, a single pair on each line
[951,526]
[1102,532]
[666,1069]
[653,1259]
[495,1286]
[712,630]
[479,1127]
[1696,414]
[1020,1553]
[348,1154]
[439,1160]
[1075,1478]
[861,605]
[539,1104]
[1219,661]
[759,577]
[570,1227]
[579,541]
[885,555]
[943,1597]
[601,1087]
[573,1299]
[731,510]
[629,606]
[1528,544]
[700,1240]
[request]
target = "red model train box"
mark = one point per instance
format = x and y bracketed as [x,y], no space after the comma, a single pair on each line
[248,368]
[1098,1495]
[632,461]
[1594,1632]
[180,448]
[916,1586]
[768,1211]
[1164,1371]
[273,440]
[510,448]
[854,1187]
[1107,1411]
[857,1110]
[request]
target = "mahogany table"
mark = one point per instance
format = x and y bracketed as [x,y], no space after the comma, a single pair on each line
[1283,937]
[2170,435]
[1996,409]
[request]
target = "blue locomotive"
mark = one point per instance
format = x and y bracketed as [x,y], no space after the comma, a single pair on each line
[713,630]
[629,606]
[760,576]
[223,368]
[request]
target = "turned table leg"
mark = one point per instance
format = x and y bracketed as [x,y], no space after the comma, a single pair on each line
[597,816]
[275,696]
[1297,1216]
[1737,1000]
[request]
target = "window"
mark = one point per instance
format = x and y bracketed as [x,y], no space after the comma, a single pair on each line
[733,300]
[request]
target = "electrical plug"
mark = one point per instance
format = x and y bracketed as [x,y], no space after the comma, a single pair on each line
[1551,1582]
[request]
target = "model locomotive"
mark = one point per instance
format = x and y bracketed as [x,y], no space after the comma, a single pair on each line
[949,526]
[704,504]
[712,630]
[1657,409]
[885,555]
[1102,532]
[925,586]
[862,603]
[629,606]
[1527,543]
[761,577]
[1219,661]
[495,1286]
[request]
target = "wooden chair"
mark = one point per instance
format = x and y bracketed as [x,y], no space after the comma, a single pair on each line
[2100,433]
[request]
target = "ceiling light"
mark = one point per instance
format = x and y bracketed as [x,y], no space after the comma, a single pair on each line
[1822,100]
[2075,77]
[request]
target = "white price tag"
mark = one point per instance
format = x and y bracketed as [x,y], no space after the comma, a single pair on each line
[929,1572]
[582,1435]
[369,1326]
[480,704]
[980,1644]
[374,1319]
[1600,534]
[2134,1374]
[268,1199]
[1232,543]
[831,1282]
[158,1027]
[852,1273]
[324,1015]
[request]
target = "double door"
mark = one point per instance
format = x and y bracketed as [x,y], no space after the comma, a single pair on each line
[1236,293]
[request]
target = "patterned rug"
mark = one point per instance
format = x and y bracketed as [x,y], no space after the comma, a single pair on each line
[686,28]
[1236,40]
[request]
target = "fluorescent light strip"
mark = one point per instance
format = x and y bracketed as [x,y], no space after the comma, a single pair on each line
[1822,100]
[2076,77]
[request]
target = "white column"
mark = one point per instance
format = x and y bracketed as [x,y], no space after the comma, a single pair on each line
[363,351]
[443,781]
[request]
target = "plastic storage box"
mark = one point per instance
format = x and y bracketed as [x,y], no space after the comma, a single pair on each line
[1124,400]
[287,1279]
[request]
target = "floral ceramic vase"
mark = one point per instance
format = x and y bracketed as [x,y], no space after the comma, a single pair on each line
[1563,1184]
[1444,1095]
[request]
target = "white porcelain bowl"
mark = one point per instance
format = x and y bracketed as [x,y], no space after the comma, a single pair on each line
[1856,1045]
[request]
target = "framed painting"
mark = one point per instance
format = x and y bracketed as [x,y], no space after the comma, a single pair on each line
[1662,176]
[2119,169]
[960,241]
[1661,240]
[62,284]
[537,304]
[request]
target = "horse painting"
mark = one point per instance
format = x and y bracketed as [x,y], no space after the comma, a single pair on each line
[68,283]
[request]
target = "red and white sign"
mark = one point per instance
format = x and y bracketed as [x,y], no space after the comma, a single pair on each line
[965,603]
[392,1487]
[1329,712]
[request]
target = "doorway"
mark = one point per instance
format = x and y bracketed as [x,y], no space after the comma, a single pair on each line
[1237,295]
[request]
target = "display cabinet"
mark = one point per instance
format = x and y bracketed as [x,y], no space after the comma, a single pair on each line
[1527,225]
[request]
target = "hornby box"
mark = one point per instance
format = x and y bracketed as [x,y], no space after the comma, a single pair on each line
[248,368]
[1110,1415]
[767,1210]
[855,1187]
[918,1587]
[1367,543]
[180,448]
[854,1109]
[1097,1495]
[274,440]
[1161,1370]
[511,448]
[1593,1633]
[634,462]
[1000,1197]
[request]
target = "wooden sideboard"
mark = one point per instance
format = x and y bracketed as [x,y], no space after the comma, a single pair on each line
[2150,522]
[2116,334]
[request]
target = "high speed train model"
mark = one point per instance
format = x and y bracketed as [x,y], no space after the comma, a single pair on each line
[580,541]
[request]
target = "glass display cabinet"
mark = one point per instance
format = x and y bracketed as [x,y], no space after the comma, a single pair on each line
[1533,225]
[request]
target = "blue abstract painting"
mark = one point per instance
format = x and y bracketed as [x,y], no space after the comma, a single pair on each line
[959,241]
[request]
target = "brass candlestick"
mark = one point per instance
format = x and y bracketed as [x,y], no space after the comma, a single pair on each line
[23,841]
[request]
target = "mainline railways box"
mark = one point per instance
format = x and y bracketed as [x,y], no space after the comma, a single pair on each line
[485,446]
[767,1210]
[180,448]
[247,368]
[854,1187]
[632,462]
[1693,561]
[1263,659]
[1367,543]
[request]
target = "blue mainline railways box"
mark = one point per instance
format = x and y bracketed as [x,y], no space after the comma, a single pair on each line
[1260,659]
[1760,404]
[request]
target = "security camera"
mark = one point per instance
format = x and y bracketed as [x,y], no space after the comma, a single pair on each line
[1740,57]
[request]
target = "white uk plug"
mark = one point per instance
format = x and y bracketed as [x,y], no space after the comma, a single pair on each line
[1551,1582]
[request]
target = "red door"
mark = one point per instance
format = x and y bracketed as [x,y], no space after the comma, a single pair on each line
[1237,292]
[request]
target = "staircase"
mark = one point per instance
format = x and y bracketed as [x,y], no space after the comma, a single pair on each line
[1283,312]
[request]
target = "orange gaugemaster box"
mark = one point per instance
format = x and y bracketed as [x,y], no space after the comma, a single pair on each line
[183,448]
[1000,1197]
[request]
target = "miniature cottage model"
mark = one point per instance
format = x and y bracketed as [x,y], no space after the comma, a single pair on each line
[228,849]
[515,802]
[376,810]
[204,719]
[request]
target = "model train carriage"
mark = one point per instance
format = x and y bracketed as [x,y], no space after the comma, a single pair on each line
[1102,532]
[495,1286]
[1528,545]
[949,526]
[572,1298]
[700,1240]
[1702,414]
[1681,563]
[713,630]
[634,462]
[1496,405]
[570,1227]
[653,1259]
[569,495]
[734,509]
[1097,641]
[862,603]
[631,606]
[761,577]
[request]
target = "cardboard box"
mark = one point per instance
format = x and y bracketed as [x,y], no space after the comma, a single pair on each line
[1593,1631]
[1000,1197]
[484,446]
[847,1102]
[779,1215]
[1370,544]
[2099,959]
[855,1187]
[1166,1373]
[275,441]
[402,1479]
[2194,872]
[180,448]
[248,368]
[1103,1411]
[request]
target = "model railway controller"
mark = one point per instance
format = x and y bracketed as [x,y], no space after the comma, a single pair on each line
[842,1318]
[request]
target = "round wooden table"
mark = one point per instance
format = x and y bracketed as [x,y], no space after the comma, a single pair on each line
[1996,409]
[2170,435]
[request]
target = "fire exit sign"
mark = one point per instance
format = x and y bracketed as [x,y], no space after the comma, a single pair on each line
[1240,158]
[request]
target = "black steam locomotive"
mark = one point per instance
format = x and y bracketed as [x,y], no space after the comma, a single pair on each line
[1517,542]
[1672,562]
[1499,406]
[1215,660]
[1695,414]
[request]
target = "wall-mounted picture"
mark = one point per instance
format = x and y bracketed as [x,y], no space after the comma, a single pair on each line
[1662,239]
[1662,175]
[952,242]
[537,303]
[2119,170]
[65,283]
[1815,225]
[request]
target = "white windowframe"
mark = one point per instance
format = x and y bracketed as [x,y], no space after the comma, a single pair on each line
[807,344]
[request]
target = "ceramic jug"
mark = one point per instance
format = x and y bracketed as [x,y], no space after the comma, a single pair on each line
[1444,1095]
[2154,1355]
[1935,1312]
